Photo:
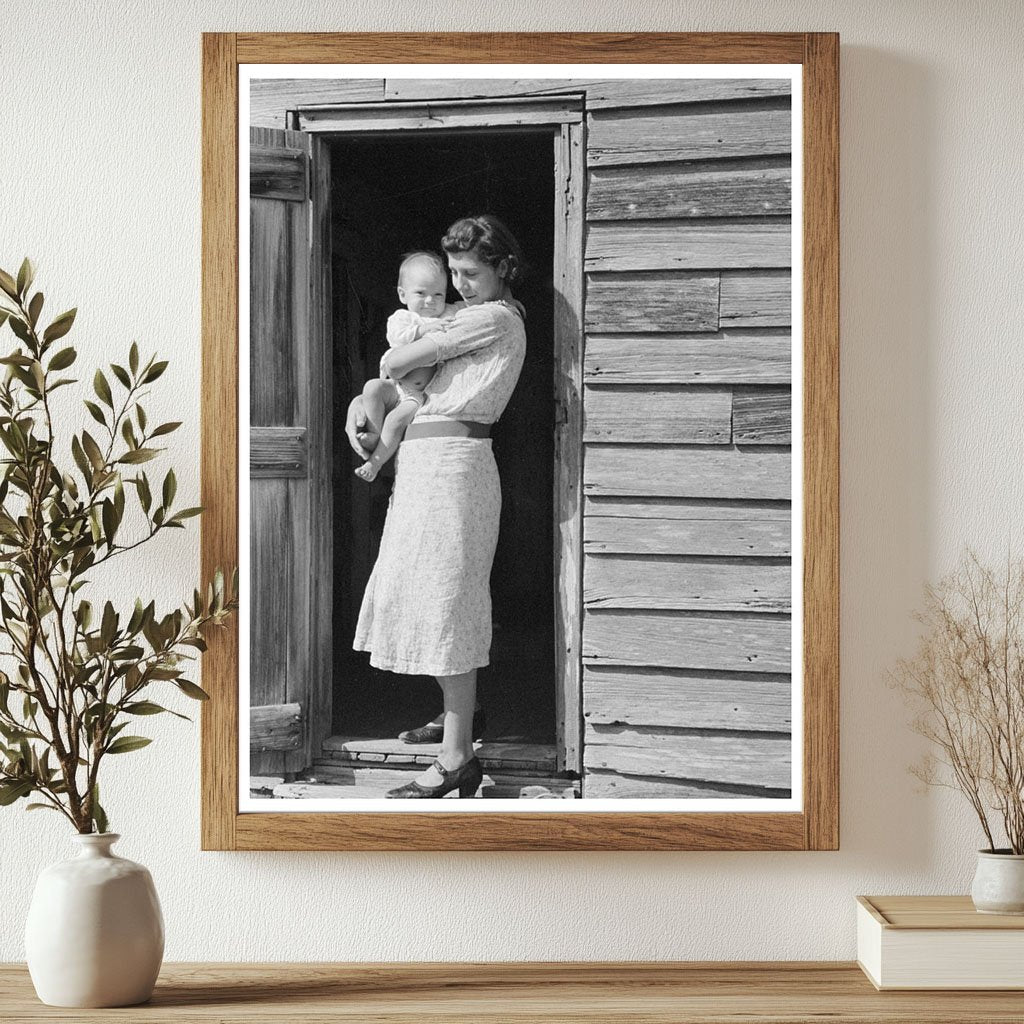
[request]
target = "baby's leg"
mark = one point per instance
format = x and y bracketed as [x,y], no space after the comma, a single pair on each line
[379,398]
[390,437]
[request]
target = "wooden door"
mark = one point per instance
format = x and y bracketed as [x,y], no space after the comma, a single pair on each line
[290,456]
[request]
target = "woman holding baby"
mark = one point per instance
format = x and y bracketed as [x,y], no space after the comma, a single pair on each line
[427,605]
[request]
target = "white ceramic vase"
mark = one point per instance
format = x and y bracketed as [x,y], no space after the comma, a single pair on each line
[998,886]
[95,933]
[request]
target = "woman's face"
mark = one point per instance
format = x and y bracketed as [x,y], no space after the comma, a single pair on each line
[475,280]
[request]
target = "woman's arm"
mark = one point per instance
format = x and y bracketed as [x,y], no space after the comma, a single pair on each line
[473,327]
[397,362]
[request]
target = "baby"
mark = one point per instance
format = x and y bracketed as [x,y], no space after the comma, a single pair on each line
[422,287]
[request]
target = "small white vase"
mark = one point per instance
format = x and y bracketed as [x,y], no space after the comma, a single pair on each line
[95,933]
[998,886]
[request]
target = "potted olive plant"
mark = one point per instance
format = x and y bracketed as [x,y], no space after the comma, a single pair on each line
[77,672]
[967,683]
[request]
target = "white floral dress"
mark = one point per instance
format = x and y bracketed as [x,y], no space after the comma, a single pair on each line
[427,605]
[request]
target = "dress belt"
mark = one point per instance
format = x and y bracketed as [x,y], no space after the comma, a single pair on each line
[447,428]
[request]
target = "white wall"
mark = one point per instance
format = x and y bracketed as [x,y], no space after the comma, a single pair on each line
[100,184]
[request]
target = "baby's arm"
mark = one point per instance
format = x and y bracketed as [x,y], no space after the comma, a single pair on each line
[403,327]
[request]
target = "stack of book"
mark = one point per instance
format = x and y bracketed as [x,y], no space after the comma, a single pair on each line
[938,942]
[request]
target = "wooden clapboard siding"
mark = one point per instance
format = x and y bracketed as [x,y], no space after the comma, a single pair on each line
[611,784]
[744,759]
[670,471]
[652,527]
[725,642]
[753,299]
[687,355]
[657,134]
[434,115]
[725,357]
[656,414]
[674,698]
[723,188]
[682,301]
[761,416]
[270,99]
[686,245]
[672,582]
[600,93]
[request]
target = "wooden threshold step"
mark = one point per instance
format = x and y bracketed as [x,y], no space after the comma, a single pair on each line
[533,757]
[367,781]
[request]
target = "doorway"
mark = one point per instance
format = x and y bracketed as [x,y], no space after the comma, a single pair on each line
[392,192]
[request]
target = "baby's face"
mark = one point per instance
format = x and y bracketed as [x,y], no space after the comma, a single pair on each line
[423,291]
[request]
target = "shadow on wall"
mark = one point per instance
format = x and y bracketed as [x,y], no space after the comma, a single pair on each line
[887,465]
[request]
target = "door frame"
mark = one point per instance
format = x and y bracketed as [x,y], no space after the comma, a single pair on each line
[564,116]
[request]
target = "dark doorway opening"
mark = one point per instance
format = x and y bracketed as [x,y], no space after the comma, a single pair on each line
[392,194]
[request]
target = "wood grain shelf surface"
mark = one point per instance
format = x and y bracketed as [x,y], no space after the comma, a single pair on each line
[523,993]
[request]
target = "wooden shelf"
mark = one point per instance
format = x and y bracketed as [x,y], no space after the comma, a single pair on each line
[566,993]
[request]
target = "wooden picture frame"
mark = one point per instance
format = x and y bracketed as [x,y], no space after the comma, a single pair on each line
[815,825]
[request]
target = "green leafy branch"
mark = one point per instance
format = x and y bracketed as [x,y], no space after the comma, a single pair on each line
[81,677]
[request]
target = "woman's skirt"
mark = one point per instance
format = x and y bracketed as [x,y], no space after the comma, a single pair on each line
[427,605]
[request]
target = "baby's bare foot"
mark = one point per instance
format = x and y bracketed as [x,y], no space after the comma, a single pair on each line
[367,471]
[368,440]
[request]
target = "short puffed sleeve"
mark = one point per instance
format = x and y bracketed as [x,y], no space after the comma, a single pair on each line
[472,328]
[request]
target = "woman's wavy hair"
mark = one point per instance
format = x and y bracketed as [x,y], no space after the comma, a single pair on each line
[490,239]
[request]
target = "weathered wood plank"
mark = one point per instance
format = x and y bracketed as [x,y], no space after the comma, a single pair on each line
[282,386]
[740,759]
[657,414]
[277,452]
[756,299]
[568,282]
[743,641]
[751,702]
[671,582]
[275,727]
[460,114]
[362,781]
[681,245]
[279,302]
[271,568]
[321,441]
[376,785]
[667,528]
[678,472]
[732,357]
[726,189]
[600,93]
[276,172]
[353,747]
[643,137]
[263,785]
[599,785]
[271,98]
[682,301]
[761,417]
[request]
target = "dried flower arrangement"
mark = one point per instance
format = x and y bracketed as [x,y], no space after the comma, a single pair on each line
[967,682]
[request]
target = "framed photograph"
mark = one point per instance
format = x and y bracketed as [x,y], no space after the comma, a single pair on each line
[520,418]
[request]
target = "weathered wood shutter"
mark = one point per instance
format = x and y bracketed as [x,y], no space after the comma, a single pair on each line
[289,457]
[687,518]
